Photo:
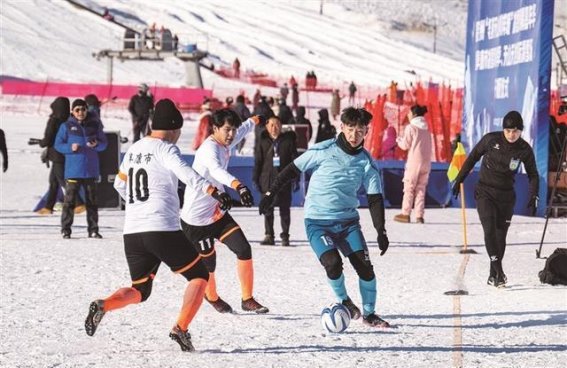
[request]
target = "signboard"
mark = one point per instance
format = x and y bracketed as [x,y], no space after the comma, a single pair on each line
[508,67]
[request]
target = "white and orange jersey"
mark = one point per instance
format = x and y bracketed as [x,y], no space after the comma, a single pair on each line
[211,162]
[147,182]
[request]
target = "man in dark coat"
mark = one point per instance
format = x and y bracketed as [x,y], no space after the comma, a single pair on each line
[263,109]
[274,151]
[285,114]
[140,107]
[241,109]
[301,119]
[60,111]
[243,113]
[326,130]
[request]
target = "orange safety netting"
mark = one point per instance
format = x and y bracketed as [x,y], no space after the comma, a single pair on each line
[444,117]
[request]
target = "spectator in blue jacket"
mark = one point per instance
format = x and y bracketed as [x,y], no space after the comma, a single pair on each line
[80,139]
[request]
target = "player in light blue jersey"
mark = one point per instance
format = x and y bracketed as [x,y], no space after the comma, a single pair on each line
[339,167]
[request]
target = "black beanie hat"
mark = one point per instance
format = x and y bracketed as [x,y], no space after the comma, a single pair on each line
[166,116]
[513,120]
[78,102]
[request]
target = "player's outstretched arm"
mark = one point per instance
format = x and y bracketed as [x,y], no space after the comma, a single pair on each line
[376,206]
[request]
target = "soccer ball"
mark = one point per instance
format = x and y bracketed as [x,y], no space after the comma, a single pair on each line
[335,318]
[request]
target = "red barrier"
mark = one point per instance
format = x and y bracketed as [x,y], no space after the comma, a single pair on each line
[182,96]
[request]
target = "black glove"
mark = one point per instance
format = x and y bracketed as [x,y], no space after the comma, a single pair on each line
[532,205]
[383,241]
[245,196]
[33,141]
[223,198]
[266,203]
[456,189]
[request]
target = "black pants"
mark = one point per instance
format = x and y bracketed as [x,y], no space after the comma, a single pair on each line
[285,218]
[56,180]
[495,209]
[71,193]
[139,128]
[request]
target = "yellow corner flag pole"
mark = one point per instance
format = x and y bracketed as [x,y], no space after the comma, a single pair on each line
[456,164]
[464,218]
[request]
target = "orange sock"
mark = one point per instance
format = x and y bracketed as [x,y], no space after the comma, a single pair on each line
[121,298]
[192,301]
[246,275]
[211,290]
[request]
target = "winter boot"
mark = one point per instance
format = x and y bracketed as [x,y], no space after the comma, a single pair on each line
[402,218]
[268,240]
[285,239]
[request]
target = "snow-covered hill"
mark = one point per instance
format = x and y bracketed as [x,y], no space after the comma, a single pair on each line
[52,39]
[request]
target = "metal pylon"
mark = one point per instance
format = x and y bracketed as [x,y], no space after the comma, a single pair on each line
[560,47]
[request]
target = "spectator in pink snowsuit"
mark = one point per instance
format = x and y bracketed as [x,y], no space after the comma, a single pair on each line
[417,141]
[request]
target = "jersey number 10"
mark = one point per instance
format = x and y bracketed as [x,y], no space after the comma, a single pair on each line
[139,180]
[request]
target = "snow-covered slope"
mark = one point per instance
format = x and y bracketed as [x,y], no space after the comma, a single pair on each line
[52,39]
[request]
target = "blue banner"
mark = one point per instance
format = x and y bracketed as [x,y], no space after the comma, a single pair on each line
[508,67]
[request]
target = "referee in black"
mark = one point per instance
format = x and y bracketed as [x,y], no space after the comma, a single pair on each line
[503,153]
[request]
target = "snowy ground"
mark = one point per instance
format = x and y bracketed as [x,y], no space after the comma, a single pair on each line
[47,284]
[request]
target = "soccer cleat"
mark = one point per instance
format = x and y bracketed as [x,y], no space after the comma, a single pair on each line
[268,240]
[402,218]
[95,234]
[220,305]
[420,220]
[374,321]
[94,317]
[44,211]
[352,309]
[498,281]
[251,305]
[183,338]
[80,209]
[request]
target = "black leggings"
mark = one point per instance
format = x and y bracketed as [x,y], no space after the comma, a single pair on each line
[495,209]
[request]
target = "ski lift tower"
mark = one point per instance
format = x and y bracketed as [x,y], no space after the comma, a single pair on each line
[139,47]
